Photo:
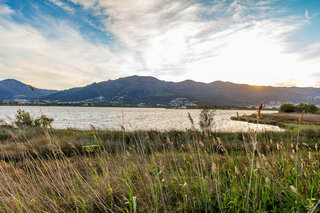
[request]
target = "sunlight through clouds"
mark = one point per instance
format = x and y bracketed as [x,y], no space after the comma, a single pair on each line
[238,41]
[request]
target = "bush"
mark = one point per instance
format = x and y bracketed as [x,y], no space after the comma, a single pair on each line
[206,119]
[24,119]
[43,121]
[299,108]
[287,108]
[311,108]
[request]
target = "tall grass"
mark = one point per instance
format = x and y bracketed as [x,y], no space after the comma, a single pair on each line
[84,171]
[47,170]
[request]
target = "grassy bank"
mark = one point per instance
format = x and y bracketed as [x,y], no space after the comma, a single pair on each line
[148,171]
[290,121]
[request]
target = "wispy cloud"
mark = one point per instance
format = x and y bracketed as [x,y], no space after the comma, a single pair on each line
[169,39]
[62,61]
[306,14]
[5,10]
[62,5]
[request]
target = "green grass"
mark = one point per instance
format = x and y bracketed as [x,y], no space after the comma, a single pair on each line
[149,171]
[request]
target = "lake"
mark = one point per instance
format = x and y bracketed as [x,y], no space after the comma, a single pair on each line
[133,118]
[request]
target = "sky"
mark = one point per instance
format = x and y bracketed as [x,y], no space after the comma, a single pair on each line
[59,44]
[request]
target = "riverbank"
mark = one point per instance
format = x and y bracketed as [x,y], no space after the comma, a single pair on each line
[289,121]
[221,107]
[150,171]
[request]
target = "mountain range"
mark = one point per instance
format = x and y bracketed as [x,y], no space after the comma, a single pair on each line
[151,91]
[13,89]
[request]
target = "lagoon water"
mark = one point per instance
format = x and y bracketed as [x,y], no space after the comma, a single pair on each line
[133,118]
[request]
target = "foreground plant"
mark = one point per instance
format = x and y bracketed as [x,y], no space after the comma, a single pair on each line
[85,171]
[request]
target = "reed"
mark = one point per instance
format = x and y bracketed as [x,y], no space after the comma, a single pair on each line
[67,172]
[48,170]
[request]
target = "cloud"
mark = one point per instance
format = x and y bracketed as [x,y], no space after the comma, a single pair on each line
[239,41]
[62,5]
[306,14]
[290,83]
[63,60]
[5,10]
[171,40]
[316,76]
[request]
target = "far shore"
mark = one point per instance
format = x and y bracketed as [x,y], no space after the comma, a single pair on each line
[148,106]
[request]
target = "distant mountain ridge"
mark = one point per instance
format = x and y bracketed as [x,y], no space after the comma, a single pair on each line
[150,90]
[12,89]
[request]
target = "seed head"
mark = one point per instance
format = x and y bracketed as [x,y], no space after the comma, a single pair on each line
[310,156]
[293,189]
[31,88]
[190,119]
[301,116]
[214,168]
[259,110]
[236,170]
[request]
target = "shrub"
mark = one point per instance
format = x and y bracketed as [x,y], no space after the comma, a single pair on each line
[24,119]
[311,108]
[206,119]
[287,108]
[299,108]
[43,121]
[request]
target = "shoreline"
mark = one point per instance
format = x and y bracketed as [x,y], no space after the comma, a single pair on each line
[142,107]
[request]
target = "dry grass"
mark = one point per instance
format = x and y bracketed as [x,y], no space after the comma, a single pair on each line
[78,171]
[294,117]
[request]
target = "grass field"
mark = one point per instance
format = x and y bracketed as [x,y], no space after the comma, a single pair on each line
[46,170]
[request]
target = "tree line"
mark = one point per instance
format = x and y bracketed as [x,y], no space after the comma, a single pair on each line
[307,108]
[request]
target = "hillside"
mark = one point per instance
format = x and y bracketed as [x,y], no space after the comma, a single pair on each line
[149,90]
[13,89]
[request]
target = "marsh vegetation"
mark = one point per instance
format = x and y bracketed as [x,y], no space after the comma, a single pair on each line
[48,170]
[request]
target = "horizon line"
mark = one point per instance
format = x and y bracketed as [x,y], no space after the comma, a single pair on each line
[254,85]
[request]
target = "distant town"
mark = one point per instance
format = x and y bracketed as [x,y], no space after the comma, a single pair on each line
[118,101]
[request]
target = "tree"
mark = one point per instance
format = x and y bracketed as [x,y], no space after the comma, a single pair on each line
[301,107]
[24,119]
[311,108]
[287,108]
[206,119]
[43,121]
